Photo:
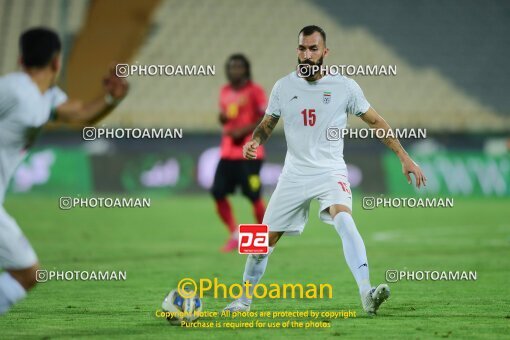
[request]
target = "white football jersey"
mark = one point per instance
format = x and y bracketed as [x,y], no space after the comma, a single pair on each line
[23,112]
[313,115]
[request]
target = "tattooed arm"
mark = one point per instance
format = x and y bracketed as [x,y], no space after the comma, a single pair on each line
[260,136]
[374,120]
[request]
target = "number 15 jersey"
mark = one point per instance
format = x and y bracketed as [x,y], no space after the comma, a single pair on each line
[314,113]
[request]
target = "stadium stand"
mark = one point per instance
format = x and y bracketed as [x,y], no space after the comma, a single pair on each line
[441,93]
[66,17]
[409,99]
[93,51]
[463,40]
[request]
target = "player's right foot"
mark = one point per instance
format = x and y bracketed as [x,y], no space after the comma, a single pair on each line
[230,245]
[373,298]
[237,306]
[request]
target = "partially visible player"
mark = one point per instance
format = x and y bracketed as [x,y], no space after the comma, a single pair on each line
[29,99]
[311,104]
[242,105]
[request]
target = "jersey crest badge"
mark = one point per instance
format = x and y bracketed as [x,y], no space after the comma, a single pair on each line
[326,98]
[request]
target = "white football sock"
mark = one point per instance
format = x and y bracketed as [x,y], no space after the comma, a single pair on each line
[253,271]
[10,292]
[354,250]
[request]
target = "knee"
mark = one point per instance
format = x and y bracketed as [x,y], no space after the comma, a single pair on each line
[27,277]
[274,237]
[338,208]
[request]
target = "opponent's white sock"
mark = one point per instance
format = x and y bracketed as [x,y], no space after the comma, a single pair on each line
[354,250]
[253,271]
[10,292]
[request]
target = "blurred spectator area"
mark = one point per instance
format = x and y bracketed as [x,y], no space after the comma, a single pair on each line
[66,17]
[450,56]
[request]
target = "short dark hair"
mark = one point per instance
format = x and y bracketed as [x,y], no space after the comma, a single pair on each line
[38,46]
[311,29]
[242,58]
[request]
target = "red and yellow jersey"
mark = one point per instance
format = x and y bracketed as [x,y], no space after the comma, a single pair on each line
[241,107]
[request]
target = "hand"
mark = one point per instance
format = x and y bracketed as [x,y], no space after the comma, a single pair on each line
[410,167]
[115,86]
[250,149]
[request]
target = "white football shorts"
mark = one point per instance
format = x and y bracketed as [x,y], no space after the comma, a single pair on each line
[289,205]
[15,250]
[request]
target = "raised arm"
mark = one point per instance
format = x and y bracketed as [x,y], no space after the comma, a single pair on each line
[77,112]
[374,120]
[260,136]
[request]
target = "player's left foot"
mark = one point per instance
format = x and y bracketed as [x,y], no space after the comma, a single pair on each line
[230,245]
[237,306]
[373,298]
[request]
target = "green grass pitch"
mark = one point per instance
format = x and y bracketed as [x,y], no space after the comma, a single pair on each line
[179,237]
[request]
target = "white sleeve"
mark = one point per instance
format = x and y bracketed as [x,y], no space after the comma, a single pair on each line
[58,97]
[7,100]
[358,104]
[274,107]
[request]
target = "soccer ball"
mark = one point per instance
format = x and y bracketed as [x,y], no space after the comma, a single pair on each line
[182,308]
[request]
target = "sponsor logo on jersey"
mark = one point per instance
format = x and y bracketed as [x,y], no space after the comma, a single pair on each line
[326,98]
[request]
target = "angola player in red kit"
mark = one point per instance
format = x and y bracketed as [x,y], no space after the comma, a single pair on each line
[242,106]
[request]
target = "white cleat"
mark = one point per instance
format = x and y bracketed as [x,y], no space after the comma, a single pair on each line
[373,298]
[237,306]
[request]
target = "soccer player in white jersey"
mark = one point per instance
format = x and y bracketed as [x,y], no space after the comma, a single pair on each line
[29,99]
[314,166]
